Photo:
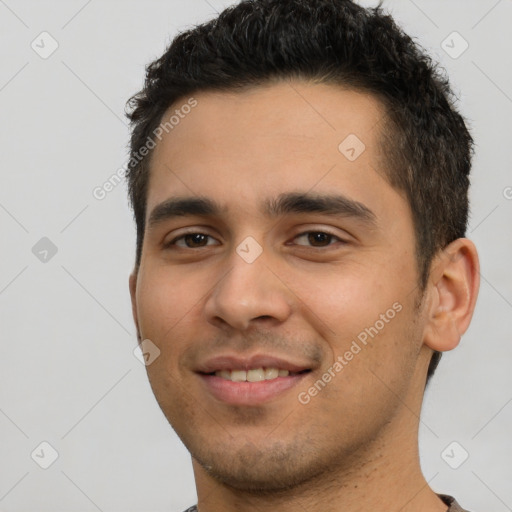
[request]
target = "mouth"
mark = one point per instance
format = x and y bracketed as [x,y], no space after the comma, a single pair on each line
[255,374]
[250,381]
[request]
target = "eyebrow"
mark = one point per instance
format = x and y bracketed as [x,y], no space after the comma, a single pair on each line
[284,204]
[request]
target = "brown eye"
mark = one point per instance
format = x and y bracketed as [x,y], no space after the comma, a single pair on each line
[191,241]
[318,238]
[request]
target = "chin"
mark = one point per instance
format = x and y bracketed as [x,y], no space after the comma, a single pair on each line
[274,470]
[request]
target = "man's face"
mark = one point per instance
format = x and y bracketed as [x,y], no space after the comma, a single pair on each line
[296,291]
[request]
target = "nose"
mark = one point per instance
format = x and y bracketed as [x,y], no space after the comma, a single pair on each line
[248,294]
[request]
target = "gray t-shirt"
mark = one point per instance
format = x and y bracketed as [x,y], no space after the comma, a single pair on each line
[454,506]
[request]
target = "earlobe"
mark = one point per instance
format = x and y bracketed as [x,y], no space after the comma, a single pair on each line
[133,296]
[454,284]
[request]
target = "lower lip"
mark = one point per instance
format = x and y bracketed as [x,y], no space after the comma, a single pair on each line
[249,393]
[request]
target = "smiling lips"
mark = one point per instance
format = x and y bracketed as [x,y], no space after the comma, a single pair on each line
[251,380]
[255,375]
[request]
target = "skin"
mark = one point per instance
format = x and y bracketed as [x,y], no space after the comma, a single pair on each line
[354,446]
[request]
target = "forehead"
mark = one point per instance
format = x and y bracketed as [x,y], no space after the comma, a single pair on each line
[243,147]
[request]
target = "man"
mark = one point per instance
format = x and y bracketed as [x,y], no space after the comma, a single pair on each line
[299,180]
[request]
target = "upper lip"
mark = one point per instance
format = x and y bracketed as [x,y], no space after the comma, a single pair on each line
[238,362]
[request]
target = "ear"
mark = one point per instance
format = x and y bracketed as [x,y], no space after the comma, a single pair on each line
[133,295]
[453,289]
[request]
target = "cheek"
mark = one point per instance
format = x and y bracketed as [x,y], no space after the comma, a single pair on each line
[346,298]
[165,303]
[363,313]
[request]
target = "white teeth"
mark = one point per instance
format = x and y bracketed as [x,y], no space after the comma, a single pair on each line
[238,375]
[271,373]
[255,375]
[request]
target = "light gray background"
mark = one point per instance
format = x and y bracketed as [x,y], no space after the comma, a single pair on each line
[68,373]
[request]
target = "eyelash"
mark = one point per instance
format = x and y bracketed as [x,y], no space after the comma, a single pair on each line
[331,235]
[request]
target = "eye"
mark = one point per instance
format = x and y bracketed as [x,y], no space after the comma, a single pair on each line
[319,238]
[196,240]
[191,240]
